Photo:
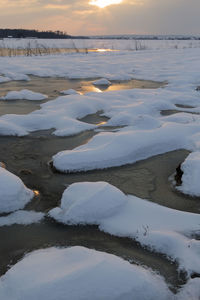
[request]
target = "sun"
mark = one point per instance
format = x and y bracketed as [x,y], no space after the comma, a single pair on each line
[104,3]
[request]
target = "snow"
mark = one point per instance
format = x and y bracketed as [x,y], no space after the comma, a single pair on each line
[24,95]
[4,79]
[70,92]
[143,133]
[80,273]
[88,203]
[162,229]
[108,149]
[17,76]
[137,108]
[102,81]
[14,194]
[112,44]
[190,291]
[21,217]
[191,175]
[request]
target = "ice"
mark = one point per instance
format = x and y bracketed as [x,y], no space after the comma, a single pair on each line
[14,194]
[79,273]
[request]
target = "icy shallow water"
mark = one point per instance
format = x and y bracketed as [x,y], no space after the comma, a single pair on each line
[53,86]
[22,239]
[28,157]
[146,179]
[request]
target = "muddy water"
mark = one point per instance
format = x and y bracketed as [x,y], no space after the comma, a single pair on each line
[28,158]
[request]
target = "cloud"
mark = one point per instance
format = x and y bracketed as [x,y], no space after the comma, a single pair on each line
[79,17]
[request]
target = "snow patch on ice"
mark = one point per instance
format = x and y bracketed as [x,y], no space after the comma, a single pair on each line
[14,194]
[8,128]
[24,95]
[128,145]
[102,81]
[70,92]
[17,76]
[191,175]
[87,203]
[80,273]
[4,79]
[21,217]
[162,229]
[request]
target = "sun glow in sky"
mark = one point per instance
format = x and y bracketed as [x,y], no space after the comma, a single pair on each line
[104,3]
[103,17]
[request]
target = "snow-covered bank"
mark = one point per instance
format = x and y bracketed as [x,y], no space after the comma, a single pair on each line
[162,229]
[14,194]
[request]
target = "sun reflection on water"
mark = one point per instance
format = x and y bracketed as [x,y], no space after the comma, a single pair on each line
[104,50]
[101,123]
[36,193]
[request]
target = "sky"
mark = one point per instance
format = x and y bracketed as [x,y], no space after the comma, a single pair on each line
[98,17]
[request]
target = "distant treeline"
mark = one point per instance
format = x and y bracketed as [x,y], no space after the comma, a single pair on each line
[147,37]
[26,33]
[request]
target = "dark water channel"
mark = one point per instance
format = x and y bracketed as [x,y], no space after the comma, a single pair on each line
[28,158]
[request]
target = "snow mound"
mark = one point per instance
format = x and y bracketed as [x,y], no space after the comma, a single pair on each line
[128,216]
[8,128]
[88,203]
[191,175]
[128,145]
[102,81]
[24,95]
[21,217]
[70,92]
[4,79]
[78,273]
[190,291]
[17,76]
[14,194]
